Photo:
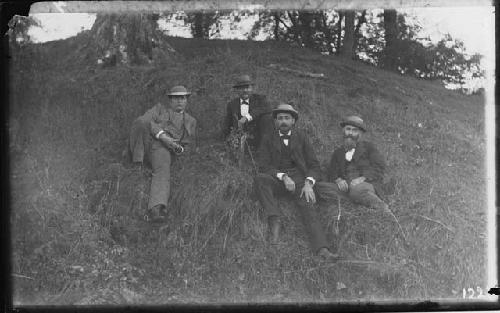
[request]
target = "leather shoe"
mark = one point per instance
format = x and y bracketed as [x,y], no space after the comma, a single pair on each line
[274,228]
[156,214]
[328,255]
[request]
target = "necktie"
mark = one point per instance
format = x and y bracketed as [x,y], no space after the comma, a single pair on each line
[285,139]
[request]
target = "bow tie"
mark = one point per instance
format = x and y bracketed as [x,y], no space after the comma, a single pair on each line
[244,102]
[283,137]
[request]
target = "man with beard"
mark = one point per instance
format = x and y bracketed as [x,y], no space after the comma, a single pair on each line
[247,112]
[288,165]
[357,167]
[164,131]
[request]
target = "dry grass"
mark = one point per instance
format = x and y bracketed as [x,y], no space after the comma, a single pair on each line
[79,199]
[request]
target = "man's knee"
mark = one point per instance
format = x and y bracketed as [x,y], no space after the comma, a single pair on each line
[364,193]
[360,189]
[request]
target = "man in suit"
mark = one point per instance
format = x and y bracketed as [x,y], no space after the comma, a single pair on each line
[249,112]
[357,167]
[288,164]
[161,133]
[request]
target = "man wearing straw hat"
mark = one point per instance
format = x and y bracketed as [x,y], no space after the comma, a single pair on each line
[288,164]
[163,131]
[357,167]
[247,111]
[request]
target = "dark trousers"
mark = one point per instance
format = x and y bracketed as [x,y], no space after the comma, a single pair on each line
[268,187]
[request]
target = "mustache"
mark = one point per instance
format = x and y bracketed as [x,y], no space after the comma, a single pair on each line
[350,136]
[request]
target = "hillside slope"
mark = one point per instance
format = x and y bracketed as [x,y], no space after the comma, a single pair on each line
[73,190]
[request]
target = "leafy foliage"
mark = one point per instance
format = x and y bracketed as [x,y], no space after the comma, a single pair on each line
[201,23]
[18,30]
[127,38]
[446,60]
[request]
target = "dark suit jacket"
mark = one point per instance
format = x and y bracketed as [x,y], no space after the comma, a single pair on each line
[258,106]
[303,155]
[367,160]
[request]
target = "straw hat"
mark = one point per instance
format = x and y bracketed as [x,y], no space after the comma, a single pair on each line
[285,108]
[179,91]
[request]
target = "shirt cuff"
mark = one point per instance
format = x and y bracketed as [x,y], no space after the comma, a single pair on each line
[159,134]
[312,180]
[280,176]
[249,117]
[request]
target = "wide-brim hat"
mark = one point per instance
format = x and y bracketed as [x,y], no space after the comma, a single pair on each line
[243,80]
[285,108]
[179,91]
[353,120]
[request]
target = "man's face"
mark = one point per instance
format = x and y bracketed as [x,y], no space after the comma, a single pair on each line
[284,122]
[244,92]
[352,134]
[178,103]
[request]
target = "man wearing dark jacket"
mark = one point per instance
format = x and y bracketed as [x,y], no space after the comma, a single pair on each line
[249,111]
[357,167]
[288,164]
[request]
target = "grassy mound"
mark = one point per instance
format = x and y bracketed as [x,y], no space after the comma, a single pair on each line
[76,235]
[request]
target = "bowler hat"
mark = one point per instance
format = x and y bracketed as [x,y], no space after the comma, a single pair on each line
[353,120]
[285,108]
[243,80]
[179,91]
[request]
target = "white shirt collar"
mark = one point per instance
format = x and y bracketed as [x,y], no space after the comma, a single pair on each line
[349,154]
[247,101]
[289,133]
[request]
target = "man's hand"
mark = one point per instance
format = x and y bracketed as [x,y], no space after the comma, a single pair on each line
[342,184]
[357,180]
[171,144]
[242,122]
[308,192]
[289,183]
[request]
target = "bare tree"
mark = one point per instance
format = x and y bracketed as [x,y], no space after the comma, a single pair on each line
[391,34]
[347,50]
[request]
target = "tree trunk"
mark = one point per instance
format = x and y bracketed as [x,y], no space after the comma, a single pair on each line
[276,29]
[391,33]
[197,26]
[339,32]
[348,48]
[306,28]
[201,23]
[125,38]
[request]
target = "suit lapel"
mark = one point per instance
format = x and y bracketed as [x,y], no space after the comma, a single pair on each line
[251,104]
[237,108]
[276,141]
[294,145]
[360,150]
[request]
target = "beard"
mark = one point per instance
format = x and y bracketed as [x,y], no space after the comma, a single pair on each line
[350,142]
[284,127]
